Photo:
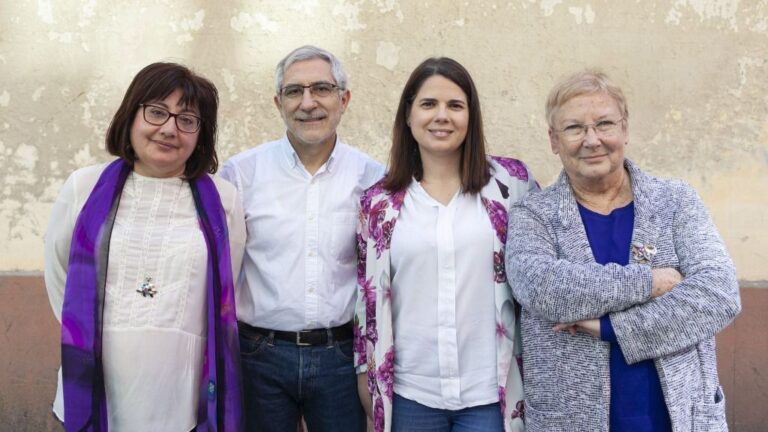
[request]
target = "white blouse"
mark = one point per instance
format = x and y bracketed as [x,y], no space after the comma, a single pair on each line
[443,302]
[153,346]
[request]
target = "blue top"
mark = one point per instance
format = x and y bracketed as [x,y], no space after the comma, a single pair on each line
[637,402]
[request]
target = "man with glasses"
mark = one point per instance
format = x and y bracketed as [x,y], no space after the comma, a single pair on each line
[296,293]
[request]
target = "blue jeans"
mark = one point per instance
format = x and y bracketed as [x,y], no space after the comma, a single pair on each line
[282,380]
[410,416]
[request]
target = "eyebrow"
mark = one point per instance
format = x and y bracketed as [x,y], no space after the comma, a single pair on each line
[312,83]
[184,109]
[598,118]
[431,99]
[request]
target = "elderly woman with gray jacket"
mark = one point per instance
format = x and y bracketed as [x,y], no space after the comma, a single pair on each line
[623,279]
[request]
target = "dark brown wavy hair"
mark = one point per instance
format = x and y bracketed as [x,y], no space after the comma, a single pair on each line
[153,83]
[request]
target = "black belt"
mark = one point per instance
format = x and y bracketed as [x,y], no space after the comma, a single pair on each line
[305,337]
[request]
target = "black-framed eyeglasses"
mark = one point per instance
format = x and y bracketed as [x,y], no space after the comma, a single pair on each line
[577,131]
[318,89]
[157,115]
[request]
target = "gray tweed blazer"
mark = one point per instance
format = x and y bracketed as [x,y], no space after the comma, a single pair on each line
[555,278]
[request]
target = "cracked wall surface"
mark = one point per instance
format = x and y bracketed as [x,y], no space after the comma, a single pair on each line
[695,73]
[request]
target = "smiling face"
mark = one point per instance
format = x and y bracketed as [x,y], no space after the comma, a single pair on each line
[597,157]
[439,117]
[311,120]
[162,151]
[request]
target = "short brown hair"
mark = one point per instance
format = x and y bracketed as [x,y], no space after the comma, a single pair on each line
[155,82]
[404,158]
[582,83]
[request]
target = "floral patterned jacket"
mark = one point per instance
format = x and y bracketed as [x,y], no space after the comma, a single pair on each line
[374,348]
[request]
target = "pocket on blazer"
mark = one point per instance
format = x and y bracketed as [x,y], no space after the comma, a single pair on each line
[548,420]
[710,416]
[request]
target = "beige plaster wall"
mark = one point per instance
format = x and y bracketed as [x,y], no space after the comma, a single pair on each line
[695,73]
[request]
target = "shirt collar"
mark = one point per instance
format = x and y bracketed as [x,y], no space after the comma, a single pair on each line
[293,158]
[418,192]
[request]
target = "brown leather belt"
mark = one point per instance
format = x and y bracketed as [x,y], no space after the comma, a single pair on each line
[304,337]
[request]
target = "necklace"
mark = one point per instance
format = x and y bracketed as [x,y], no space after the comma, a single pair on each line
[605,204]
[147,288]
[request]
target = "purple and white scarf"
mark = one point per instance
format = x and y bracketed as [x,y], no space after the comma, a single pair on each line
[85,410]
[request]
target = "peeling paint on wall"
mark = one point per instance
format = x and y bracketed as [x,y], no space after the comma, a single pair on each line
[305,5]
[747,64]
[706,10]
[86,13]
[387,55]
[229,81]
[386,6]
[583,14]
[65,38]
[37,93]
[45,11]
[350,12]
[244,21]
[83,157]
[25,157]
[187,26]
[694,72]
[548,6]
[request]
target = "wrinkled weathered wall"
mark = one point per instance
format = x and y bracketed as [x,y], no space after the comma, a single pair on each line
[695,73]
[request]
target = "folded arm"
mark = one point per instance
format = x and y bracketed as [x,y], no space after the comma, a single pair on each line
[699,307]
[562,291]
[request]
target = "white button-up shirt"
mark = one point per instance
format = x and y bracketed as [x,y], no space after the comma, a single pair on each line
[443,301]
[299,268]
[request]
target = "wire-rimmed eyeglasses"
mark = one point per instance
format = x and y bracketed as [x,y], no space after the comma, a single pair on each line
[604,128]
[318,89]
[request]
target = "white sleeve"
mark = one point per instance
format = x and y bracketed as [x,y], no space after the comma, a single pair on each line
[236,227]
[58,237]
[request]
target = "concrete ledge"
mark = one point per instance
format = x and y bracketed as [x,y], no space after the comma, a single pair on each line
[29,358]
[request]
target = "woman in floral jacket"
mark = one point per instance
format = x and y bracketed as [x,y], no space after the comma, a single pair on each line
[437,284]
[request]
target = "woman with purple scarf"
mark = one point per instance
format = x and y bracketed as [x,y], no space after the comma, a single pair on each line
[140,255]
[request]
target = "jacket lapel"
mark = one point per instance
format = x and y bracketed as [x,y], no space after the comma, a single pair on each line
[646,229]
[579,250]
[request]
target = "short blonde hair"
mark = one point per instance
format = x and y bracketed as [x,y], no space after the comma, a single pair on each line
[581,83]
